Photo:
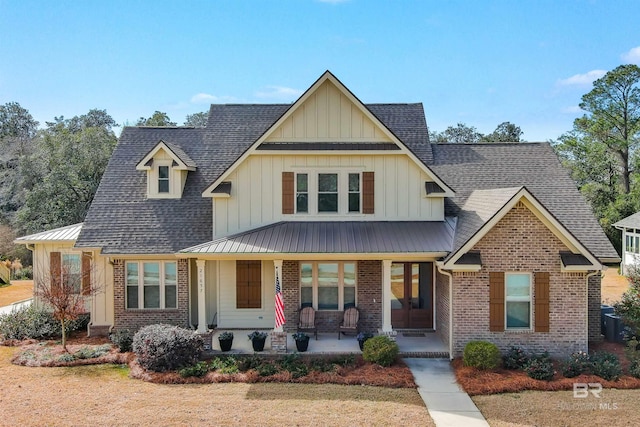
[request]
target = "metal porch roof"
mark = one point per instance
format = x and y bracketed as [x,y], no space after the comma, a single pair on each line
[349,237]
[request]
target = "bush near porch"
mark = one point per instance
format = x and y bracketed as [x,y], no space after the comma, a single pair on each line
[501,380]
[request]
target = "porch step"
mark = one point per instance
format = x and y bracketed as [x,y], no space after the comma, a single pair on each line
[424,354]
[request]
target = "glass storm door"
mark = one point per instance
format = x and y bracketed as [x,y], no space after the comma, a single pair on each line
[412,295]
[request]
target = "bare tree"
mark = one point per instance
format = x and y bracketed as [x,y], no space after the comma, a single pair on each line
[66,288]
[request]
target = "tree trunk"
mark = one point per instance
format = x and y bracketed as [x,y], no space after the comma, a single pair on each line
[64,336]
[626,175]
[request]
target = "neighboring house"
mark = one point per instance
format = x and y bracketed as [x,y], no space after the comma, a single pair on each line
[630,250]
[347,204]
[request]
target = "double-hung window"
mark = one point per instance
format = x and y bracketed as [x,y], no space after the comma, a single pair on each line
[163,179]
[152,284]
[518,300]
[328,193]
[70,271]
[328,285]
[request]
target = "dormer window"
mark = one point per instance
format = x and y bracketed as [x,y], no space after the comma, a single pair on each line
[163,179]
[167,166]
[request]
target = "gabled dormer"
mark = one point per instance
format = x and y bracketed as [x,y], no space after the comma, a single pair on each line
[167,166]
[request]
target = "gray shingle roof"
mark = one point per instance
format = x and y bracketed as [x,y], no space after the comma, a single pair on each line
[347,237]
[632,221]
[184,157]
[122,220]
[471,167]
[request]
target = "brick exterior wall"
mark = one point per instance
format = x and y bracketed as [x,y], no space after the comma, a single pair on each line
[520,242]
[442,307]
[368,288]
[134,319]
[595,300]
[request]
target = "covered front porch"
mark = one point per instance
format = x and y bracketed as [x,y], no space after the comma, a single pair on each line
[411,343]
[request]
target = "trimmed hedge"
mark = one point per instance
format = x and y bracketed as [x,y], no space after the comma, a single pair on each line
[481,355]
[162,347]
[33,322]
[380,350]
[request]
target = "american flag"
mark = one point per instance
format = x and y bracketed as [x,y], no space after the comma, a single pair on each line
[279,303]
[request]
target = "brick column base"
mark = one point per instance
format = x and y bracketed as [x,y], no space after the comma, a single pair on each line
[279,342]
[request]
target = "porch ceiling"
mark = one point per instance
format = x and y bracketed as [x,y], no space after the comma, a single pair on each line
[349,237]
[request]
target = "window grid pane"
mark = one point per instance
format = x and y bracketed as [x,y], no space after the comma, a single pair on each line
[132,285]
[151,281]
[163,179]
[302,193]
[327,192]
[354,192]
[518,301]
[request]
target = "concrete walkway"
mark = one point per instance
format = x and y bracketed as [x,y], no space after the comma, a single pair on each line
[447,403]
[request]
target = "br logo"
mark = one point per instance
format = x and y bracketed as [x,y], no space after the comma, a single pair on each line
[581,390]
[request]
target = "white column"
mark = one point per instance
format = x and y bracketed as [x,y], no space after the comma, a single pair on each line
[277,269]
[386,295]
[202,302]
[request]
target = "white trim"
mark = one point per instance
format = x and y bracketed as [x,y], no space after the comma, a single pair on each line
[341,285]
[518,299]
[142,164]
[542,214]
[363,109]
[140,285]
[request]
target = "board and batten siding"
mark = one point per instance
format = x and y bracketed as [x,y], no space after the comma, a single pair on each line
[328,115]
[232,317]
[256,193]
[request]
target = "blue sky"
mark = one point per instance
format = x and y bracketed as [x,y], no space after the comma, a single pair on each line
[477,62]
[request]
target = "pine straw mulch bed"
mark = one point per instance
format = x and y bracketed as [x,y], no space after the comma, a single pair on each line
[477,382]
[358,373]
[47,353]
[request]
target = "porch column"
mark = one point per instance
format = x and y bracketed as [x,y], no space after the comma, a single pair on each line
[279,302]
[386,295]
[202,302]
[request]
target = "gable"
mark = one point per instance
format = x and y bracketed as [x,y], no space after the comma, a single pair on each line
[328,114]
[491,219]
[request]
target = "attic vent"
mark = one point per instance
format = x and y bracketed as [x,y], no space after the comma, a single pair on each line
[433,188]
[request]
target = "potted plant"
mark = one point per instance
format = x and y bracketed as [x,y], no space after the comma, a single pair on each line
[362,337]
[225,339]
[302,341]
[257,340]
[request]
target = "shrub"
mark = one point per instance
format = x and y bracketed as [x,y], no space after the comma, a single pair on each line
[28,322]
[200,369]
[294,365]
[92,353]
[267,369]
[632,349]
[380,350]
[578,363]
[66,357]
[481,355]
[606,366]
[162,348]
[225,365]
[515,358]
[629,305]
[123,339]
[540,367]
[634,368]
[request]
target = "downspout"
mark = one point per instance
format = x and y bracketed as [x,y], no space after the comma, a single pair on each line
[587,280]
[439,265]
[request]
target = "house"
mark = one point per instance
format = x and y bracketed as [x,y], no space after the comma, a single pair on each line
[630,227]
[341,203]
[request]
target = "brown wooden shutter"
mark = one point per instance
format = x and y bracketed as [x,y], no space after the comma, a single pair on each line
[248,284]
[496,301]
[542,302]
[55,268]
[368,192]
[288,192]
[86,273]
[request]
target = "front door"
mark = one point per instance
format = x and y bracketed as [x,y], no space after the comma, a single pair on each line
[412,295]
